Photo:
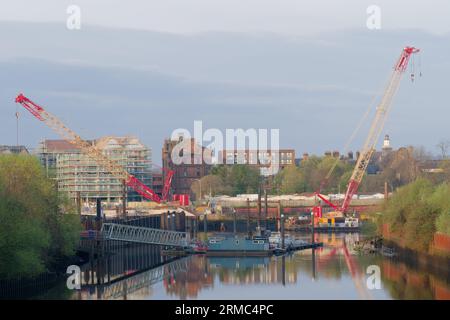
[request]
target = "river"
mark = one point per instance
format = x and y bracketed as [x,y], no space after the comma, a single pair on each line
[335,271]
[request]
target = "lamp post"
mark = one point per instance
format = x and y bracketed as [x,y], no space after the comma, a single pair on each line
[282,230]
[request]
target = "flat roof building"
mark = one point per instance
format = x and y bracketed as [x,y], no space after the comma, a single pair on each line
[261,159]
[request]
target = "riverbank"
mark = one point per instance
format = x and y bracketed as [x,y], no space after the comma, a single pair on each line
[27,287]
[433,263]
[439,246]
[417,218]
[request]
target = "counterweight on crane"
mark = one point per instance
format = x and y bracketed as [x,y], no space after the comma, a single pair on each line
[375,130]
[67,134]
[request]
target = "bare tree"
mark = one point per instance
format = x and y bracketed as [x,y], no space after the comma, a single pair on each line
[421,154]
[443,147]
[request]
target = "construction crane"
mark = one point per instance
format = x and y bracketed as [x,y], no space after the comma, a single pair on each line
[375,130]
[67,134]
[167,182]
[168,175]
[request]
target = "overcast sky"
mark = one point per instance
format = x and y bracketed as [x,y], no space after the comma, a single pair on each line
[281,16]
[308,68]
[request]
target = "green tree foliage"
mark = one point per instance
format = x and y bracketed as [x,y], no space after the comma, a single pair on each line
[244,179]
[34,231]
[291,180]
[441,201]
[329,173]
[210,184]
[235,179]
[416,211]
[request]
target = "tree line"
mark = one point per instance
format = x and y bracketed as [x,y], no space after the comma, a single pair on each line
[38,226]
[327,174]
[417,211]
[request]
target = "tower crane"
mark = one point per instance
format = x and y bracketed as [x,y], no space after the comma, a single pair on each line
[67,134]
[375,130]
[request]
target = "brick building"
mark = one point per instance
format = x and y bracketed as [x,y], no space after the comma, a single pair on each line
[261,159]
[195,164]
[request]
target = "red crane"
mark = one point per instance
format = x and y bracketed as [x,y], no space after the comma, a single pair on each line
[376,127]
[90,150]
[168,175]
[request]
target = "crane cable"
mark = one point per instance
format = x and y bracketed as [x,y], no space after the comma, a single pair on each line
[364,117]
[355,131]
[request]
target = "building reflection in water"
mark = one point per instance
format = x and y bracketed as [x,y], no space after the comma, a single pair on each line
[132,272]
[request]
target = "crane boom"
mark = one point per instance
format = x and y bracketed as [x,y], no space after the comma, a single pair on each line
[67,134]
[167,183]
[377,125]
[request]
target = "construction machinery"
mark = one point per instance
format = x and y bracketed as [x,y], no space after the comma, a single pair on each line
[113,167]
[375,130]
[167,175]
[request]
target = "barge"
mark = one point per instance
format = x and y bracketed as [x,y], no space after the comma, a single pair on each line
[232,245]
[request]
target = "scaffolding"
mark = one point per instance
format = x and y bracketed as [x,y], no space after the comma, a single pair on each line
[79,176]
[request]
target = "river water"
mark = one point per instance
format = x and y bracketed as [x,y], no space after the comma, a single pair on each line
[335,271]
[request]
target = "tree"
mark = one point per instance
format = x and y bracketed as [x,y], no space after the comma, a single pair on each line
[443,147]
[445,166]
[34,231]
[292,180]
[210,184]
[440,201]
[231,180]
[416,211]
[244,179]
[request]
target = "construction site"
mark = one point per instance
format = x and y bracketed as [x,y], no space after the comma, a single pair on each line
[81,177]
[118,170]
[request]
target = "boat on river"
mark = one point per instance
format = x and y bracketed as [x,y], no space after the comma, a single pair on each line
[233,245]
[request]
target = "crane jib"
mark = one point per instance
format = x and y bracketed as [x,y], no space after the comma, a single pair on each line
[70,136]
[376,128]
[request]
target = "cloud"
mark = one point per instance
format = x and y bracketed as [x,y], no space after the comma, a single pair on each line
[111,81]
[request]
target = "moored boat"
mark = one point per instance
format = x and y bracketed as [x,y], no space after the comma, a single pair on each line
[232,245]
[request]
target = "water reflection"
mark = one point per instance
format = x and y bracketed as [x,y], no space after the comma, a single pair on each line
[335,271]
[406,282]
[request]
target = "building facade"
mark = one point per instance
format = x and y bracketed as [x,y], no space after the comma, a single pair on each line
[157,182]
[262,159]
[196,163]
[80,176]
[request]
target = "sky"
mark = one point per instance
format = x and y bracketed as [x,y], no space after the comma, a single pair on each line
[303,17]
[146,68]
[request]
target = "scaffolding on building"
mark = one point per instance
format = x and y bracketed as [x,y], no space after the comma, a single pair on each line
[79,176]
